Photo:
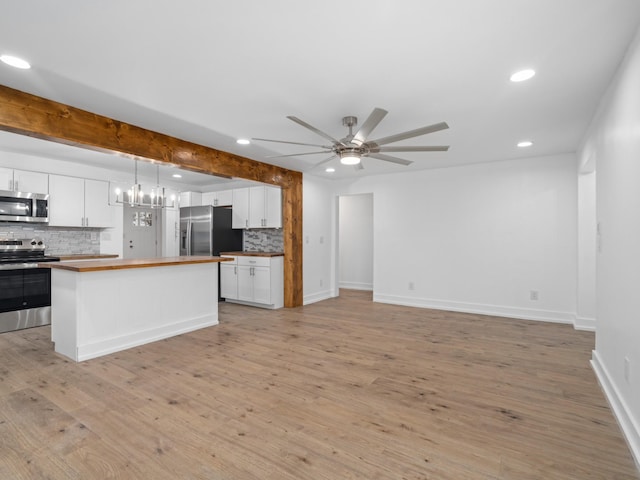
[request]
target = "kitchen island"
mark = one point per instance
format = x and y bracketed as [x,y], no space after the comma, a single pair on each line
[105,306]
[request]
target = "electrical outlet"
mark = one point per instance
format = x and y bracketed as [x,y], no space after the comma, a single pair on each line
[321,239]
[627,368]
[533,295]
[306,239]
[411,286]
[321,282]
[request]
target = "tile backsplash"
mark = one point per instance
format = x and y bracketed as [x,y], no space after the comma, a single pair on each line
[263,240]
[58,240]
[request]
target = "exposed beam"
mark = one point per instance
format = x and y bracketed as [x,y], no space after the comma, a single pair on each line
[35,116]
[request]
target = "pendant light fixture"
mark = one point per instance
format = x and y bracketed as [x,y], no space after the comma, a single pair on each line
[136,197]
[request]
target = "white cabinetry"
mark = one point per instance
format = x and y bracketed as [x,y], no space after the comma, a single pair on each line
[190,199]
[223,198]
[253,280]
[23,181]
[76,202]
[229,279]
[240,208]
[257,207]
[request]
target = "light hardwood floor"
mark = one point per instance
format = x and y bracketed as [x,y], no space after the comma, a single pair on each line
[341,389]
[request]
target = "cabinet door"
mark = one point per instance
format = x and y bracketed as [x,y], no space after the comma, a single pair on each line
[66,201]
[240,208]
[6,178]
[224,198]
[209,198]
[229,281]
[97,211]
[33,182]
[256,207]
[262,285]
[245,283]
[170,232]
[273,207]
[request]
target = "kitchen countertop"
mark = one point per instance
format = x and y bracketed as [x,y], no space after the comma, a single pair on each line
[86,256]
[254,254]
[120,264]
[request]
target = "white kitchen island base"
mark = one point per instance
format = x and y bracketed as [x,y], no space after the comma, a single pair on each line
[95,313]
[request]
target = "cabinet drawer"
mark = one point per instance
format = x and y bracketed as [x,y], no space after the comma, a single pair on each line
[254,261]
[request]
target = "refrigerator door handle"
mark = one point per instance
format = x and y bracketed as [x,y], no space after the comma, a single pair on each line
[190,239]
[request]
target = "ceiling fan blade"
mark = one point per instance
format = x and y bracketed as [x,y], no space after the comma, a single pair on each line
[292,143]
[358,166]
[410,134]
[369,124]
[388,158]
[295,154]
[327,160]
[434,148]
[314,129]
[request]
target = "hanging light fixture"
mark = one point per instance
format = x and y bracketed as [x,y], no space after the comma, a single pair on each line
[136,197]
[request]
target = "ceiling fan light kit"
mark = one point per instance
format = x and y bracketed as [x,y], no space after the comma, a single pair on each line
[352,148]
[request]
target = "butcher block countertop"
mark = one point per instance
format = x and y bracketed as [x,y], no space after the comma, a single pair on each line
[100,265]
[254,254]
[86,256]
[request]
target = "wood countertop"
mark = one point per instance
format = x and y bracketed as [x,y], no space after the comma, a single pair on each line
[253,254]
[100,265]
[86,256]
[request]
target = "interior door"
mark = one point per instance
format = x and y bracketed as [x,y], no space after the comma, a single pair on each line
[141,232]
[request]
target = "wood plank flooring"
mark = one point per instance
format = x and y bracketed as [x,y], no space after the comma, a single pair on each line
[341,389]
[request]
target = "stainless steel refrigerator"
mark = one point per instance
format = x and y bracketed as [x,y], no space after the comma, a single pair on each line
[207,231]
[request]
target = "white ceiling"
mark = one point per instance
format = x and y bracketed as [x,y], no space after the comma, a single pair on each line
[211,71]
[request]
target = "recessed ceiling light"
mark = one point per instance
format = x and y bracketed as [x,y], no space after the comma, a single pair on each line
[525,143]
[176,175]
[523,75]
[15,62]
[243,141]
[330,170]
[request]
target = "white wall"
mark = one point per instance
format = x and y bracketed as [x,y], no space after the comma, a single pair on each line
[320,208]
[355,241]
[478,238]
[586,301]
[614,141]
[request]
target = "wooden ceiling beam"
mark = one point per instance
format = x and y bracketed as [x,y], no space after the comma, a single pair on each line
[35,116]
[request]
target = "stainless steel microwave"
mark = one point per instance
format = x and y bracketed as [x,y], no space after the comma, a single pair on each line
[24,207]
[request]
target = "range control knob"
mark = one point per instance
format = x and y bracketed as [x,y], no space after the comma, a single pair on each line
[40,242]
[33,242]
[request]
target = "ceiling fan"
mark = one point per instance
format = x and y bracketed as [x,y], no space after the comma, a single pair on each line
[353,147]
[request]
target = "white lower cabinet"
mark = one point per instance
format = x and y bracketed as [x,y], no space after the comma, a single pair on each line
[253,280]
[229,279]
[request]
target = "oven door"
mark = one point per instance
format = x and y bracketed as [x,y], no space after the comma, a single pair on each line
[24,288]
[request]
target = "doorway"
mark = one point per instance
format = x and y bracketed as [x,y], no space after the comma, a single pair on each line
[142,232]
[355,240]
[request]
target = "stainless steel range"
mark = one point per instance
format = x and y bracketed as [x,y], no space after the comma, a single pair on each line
[25,288]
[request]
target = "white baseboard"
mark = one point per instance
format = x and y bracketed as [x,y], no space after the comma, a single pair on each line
[478,308]
[584,323]
[628,424]
[317,297]
[357,286]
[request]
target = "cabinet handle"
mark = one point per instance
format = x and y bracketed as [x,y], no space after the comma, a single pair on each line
[86,222]
[15,186]
[246,222]
[235,270]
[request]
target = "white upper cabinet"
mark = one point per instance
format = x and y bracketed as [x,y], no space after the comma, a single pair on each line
[257,207]
[23,181]
[223,198]
[76,202]
[97,212]
[265,207]
[191,199]
[240,208]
